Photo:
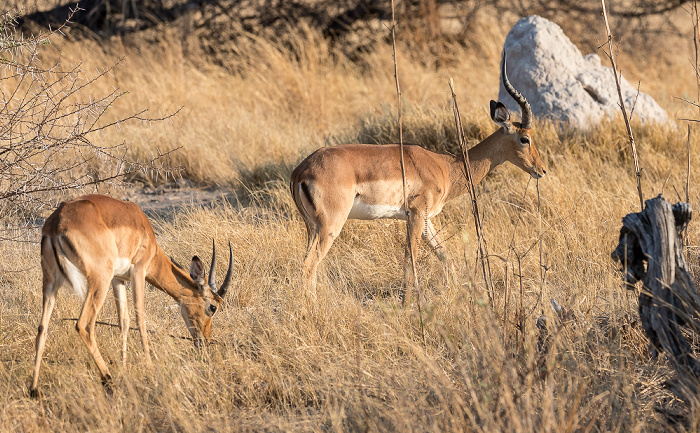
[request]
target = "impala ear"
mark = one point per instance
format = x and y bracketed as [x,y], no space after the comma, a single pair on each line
[501,115]
[197,271]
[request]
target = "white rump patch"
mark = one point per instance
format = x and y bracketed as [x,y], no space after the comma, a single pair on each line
[363,211]
[76,278]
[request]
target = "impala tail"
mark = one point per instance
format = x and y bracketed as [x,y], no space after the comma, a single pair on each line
[54,260]
[303,199]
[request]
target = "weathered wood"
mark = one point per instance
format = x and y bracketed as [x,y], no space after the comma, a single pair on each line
[650,249]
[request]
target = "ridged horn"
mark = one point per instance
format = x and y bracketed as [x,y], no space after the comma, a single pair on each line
[227,279]
[212,270]
[526,118]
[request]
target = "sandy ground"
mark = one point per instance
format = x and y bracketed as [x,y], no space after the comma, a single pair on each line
[166,199]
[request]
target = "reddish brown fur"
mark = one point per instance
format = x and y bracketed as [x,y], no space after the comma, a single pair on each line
[93,233]
[329,181]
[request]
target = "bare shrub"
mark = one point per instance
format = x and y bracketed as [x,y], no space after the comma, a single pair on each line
[48,120]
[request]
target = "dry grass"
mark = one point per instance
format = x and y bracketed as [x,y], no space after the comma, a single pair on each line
[351,359]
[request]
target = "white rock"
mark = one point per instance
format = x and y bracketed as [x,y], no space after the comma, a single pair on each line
[562,84]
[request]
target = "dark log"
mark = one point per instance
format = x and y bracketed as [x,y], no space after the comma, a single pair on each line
[650,249]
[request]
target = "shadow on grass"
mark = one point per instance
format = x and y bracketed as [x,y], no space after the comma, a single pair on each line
[263,186]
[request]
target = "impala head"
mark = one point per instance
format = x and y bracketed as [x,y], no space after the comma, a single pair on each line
[519,149]
[199,309]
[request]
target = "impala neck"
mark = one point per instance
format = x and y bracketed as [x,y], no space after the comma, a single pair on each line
[483,158]
[168,277]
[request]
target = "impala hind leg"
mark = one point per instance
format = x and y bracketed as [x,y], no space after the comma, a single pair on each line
[51,283]
[319,243]
[122,312]
[310,259]
[317,251]
[94,300]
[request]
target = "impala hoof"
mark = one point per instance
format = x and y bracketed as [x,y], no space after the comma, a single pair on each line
[108,384]
[34,393]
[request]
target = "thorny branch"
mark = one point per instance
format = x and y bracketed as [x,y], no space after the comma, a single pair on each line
[47,127]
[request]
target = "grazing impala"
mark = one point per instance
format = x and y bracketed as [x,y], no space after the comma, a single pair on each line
[362,181]
[96,240]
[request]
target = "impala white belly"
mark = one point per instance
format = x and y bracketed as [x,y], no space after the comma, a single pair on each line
[364,211]
[122,268]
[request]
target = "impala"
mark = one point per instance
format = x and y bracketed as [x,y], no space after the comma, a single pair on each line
[96,240]
[363,181]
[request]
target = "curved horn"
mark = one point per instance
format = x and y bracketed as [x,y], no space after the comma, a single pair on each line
[227,278]
[526,119]
[212,270]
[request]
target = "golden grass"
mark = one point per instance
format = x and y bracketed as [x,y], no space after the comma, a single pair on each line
[351,360]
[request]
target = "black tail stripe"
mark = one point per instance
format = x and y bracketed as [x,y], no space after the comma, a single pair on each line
[55,256]
[307,193]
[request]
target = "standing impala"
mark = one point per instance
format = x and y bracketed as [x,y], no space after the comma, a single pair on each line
[363,181]
[96,240]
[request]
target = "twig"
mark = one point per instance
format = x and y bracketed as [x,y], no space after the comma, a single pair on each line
[611,56]
[687,186]
[673,167]
[519,342]
[634,104]
[543,268]
[696,29]
[695,17]
[687,101]
[687,174]
[358,366]
[481,240]
[150,331]
[511,247]
[696,33]
[416,287]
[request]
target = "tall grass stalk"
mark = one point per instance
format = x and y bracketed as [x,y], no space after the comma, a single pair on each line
[630,136]
[695,18]
[409,241]
[543,268]
[481,240]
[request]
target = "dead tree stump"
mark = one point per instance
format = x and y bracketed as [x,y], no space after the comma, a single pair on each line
[651,250]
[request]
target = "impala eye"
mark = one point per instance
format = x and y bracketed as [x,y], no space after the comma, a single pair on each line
[212,309]
[524,140]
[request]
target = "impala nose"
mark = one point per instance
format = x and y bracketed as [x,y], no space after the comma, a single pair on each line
[537,175]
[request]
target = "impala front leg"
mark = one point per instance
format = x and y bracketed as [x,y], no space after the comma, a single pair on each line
[413,230]
[431,237]
[122,312]
[138,285]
